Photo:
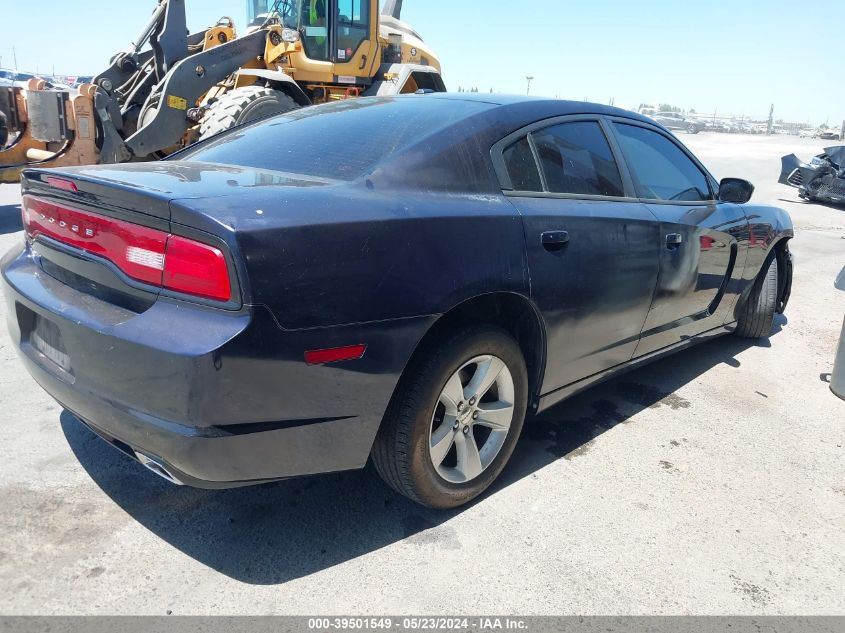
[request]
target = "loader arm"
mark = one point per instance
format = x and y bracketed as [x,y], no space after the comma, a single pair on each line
[165,116]
[166,34]
[170,40]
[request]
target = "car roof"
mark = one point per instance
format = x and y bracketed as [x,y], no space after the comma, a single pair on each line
[538,107]
[449,152]
[441,161]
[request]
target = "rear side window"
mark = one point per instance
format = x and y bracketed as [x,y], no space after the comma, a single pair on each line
[576,158]
[661,170]
[522,168]
[343,140]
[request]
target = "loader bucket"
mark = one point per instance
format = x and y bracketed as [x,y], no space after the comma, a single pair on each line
[54,129]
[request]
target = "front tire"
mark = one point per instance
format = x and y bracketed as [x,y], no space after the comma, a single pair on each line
[757,312]
[243,105]
[455,418]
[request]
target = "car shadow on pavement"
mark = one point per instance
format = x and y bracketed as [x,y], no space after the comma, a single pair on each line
[10,219]
[274,533]
[569,429]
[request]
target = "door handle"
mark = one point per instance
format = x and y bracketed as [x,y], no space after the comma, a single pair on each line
[554,240]
[674,240]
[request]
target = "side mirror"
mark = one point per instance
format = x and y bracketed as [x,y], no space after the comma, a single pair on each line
[735,190]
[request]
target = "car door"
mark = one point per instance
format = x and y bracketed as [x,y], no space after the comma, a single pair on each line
[702,239]
[356,39]
[592,248]
[677,122]
[659,117]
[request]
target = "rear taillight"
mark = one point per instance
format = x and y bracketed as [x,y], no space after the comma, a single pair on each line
[196,269]
[144,254]
[136,250]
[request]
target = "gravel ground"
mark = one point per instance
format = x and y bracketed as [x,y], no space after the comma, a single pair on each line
[710,482]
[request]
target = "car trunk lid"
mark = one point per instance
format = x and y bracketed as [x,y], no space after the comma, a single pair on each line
[109,231]
[148,188]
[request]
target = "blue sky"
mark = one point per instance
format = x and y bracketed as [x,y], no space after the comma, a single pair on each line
[732,56]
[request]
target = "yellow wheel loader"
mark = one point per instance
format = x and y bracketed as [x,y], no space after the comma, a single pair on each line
[170,89]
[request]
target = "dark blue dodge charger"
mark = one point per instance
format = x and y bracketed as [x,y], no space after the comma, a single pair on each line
[399,280]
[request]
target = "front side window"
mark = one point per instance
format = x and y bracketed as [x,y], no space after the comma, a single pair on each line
[576,158]
[290,13]
[661,170]
[315,29]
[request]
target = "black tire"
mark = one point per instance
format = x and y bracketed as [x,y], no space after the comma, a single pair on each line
[242,106]
[757,311]
[401,450]
[4,131]
[692,129]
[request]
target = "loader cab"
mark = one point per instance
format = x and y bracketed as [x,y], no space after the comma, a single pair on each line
[339,32]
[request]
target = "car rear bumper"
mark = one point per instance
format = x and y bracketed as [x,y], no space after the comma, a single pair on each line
[213,398]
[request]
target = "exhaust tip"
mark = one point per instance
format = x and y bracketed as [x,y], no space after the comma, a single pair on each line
[157,467]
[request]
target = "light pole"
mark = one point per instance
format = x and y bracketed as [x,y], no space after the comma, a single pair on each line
[529,80]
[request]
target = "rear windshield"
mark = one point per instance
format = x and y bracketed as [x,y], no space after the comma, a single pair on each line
[343,140]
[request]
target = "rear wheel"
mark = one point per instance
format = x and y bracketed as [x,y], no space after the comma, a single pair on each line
[757,312]
[243,105]
[455,418]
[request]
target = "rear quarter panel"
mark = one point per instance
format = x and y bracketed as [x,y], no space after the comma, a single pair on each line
[348,254]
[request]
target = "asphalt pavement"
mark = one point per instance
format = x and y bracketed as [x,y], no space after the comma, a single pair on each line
[710,482]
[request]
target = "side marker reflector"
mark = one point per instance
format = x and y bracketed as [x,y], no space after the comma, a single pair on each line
[335,354]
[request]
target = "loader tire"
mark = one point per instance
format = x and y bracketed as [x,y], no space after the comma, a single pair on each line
[4,131]
[242,106]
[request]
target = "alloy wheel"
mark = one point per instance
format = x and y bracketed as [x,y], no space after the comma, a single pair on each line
[472,419]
